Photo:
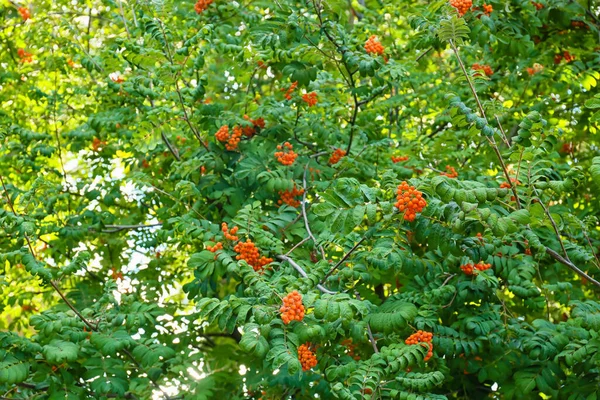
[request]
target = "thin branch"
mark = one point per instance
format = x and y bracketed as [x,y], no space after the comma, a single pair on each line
[303,273]
[491,140]
[300,243]
[118,228]
[124,20]
[569,264]
[423,54]
[332,270]
[369,332]
[305,215]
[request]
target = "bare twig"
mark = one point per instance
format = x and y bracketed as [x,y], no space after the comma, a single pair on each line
[569,264]
[305,215]
[369,332]
[332,270]
[491,140]
[303,273]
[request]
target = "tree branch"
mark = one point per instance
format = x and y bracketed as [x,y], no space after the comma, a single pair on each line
[303,273]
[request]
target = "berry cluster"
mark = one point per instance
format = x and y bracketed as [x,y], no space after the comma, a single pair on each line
[310,98]
[336,156]
[292,308]
[399,158]
[229,233]
[307,357]
[290,90]
[25,56]
[462,6]
[537,68]
[248,252]
[422,337]
[506,185]
[258,123]
[231,140]
[287,156]
[487,10]
[24,11]
[538,6]
[97,143]
[469,269]
[410,201]
[372,46]
[487,70]
[115,274]
[351,348]
[578,24]
[202,5]
[288,197]
[450,172]
[215,248]
[566,55]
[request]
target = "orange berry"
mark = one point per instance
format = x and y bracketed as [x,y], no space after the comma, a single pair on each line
[409,201]
[337,156]
[287,156]
[310,98]
[373,46]
[24,11]
[202,5]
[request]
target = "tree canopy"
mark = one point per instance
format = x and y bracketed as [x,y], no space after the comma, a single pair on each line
[285,199]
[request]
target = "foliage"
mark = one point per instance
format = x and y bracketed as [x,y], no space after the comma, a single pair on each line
[130,131]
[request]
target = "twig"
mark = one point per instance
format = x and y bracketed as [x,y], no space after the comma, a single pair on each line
[491,140]
[569,264]
[332,270]
[124,20]
[371,338]
[303,273]
[118,228]
[305,215]
[300,243]
[423,54]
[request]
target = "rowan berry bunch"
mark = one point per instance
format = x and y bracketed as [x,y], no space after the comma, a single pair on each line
[24,11]
[422,337]
[249,253]
[229,233]
[202,5]
[258,123]
[292,308]
[462,6]
[538,6]
[578,24]
[218,246]
[97,143]
[450,172]
[310,98]
[289,196]
[290,90]
[222,134]
[337,156]
[307,357]
[232,139]
[410,201]
[25,56]
[537,68]
[373,46]
[568,57]
[286,155]
[469,269]
[487,70]
[399,158]
[487,10]
[506,185]
[351,347]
